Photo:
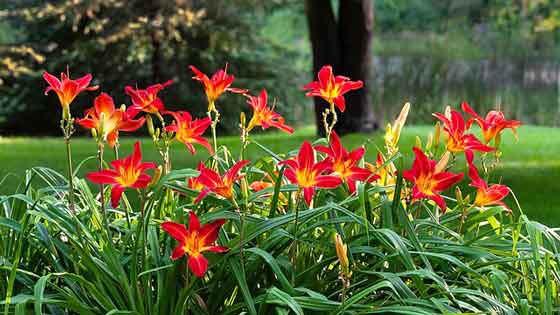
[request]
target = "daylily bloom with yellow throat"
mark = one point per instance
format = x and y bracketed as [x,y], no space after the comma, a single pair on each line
[107,120]
[486,195]
[67,89]
[217,85]
[492,125]
[194,241]
[189,131]
[147,100]
[128,172]
[264,116]
[307,174]
[343,163]
[457,140]
[429,179]
[332,88]
[220,185]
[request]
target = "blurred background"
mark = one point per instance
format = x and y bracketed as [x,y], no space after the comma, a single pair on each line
[492,53]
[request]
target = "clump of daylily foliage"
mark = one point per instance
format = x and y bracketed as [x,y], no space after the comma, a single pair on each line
[324,229]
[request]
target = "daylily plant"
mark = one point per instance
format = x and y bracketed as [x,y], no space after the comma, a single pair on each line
[492,125]
[217,85]
[125,173]
[194,241]
[305,172]
[457,140]
[220,185]
[332,88]
[344,163]
[264,116]
[107,120]
[189,131]
[147,100]
[429,179]
[67,89]
[486,195]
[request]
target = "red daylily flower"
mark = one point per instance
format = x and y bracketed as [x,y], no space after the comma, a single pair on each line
[220,185]
[193,182]
[264,116]
[108,121]
[189,131]
[457,140]
[332,88]
[343,163]
[220,83]
[67,89]
[492,125]
[429,179]
[486,195]
[147,100]
[307,174]
[194,241]
[126,173]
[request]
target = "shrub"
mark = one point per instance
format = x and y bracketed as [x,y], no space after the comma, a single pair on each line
[315,231]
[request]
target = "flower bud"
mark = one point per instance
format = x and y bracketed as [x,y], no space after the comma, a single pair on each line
[437,134]
[418,142]
[458,195]
[101,126]
[123,108]
[150,125]
[342,253]
[157,176]
[442,164]
[94,133]
[430,141]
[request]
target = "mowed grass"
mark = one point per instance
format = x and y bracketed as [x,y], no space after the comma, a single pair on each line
[531,167]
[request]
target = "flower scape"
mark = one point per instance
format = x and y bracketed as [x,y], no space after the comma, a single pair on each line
[323,229]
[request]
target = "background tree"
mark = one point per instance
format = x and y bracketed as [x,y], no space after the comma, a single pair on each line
[344,41]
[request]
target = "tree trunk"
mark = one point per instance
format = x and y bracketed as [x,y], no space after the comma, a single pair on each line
[346,46]
[324,45]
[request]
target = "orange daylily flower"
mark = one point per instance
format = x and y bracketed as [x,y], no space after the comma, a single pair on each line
[147,100]
[429,179]
[218,84]
[457,140]
[264,116]
[486,195]
[307,174]
[189,131]
[67,89]
[343,163]
[220,185]
[126,173]
[492,125]
[332,88]
[194,241]
[108,121]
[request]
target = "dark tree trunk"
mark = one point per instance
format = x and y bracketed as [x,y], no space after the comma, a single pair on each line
[324,45]
[346,45]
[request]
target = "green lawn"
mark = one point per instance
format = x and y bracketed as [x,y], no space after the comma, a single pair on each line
[530,167]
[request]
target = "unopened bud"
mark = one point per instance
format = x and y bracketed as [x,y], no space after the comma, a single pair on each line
[66,112]
[101,126]
[458,195]
[150,124]
[418,142]
[442,164]
[342,253]
[94,133]
[437,134]
[430,141]
[242,119]
[157,176]
[123,108]
[157,133]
